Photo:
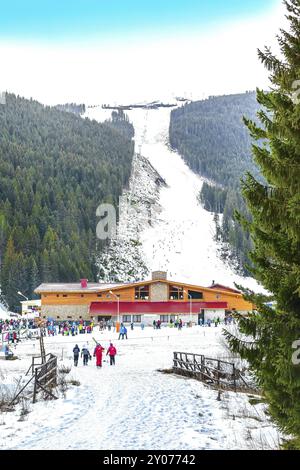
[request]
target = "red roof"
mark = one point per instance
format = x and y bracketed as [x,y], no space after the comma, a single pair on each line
[221,287]
[111,308]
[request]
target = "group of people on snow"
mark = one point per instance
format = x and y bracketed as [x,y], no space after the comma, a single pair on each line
[98,353]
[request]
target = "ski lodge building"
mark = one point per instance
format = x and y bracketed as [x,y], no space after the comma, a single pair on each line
[155,299]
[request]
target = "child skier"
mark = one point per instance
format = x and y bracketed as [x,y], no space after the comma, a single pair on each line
[76,352]
[98,354]
[86,355]
[112,353]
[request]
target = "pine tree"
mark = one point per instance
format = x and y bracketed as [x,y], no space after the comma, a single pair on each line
[33,277]
[13,275]
[275,229]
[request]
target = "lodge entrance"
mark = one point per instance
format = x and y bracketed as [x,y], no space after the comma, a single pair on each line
[104,317]
[201,317]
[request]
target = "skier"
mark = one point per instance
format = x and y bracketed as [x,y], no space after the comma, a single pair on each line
[8,353]
[112,353]
[86,355]
[121,332]
[125,332]
[131,325]
[98,354]
[76,352]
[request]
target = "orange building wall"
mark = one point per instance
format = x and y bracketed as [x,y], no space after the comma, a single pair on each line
[84,299]
[235,301]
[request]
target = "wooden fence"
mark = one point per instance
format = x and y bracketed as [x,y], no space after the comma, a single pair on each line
[43,376]
[214,372]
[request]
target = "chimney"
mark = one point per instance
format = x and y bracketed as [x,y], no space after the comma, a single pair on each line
[83,283]
[157,275]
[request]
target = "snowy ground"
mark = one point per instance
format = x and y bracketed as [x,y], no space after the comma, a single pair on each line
[181,241]
[132,405]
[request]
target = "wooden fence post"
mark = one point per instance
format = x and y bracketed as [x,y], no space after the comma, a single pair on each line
[234,378]
[202,366]
[35,387]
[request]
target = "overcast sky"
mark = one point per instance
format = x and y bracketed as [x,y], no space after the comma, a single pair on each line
[97,51]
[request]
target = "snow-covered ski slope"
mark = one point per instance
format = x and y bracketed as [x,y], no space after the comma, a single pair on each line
[181,242]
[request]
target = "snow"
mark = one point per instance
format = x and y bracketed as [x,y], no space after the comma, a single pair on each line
[181,240]
[132,405]
[4,314]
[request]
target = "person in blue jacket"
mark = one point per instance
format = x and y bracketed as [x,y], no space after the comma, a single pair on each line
[123,331]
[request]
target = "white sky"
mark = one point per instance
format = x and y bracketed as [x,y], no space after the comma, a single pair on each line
[216,61]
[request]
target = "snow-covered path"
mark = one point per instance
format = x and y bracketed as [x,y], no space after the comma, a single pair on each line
[132,405]
[181,241]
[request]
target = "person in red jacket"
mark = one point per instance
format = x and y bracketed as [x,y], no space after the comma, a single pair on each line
[112,352]
[98,353]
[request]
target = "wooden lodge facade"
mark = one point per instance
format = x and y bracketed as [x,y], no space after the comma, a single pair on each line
[158,298]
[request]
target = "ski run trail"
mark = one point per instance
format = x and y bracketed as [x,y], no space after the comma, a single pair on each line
[181,241]
[132,405]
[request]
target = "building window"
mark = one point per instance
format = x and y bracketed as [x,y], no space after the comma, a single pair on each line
[57,317]
[195,295]
[137,318]
[65,295]
[80,317]
[82,295]
[142,293]
[164,318]
[172,317]
[127,318]
[69,317]
[57,295]
[175,293]
[99,295]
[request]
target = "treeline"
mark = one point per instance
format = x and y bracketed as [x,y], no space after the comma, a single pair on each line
[213,140]
[213,198]
[55,169]
[120,122]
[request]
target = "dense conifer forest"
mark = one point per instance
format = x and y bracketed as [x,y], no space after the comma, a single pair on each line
[213,140]
[55,169]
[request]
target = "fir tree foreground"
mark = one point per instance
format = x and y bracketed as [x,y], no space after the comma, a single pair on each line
[275,230]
